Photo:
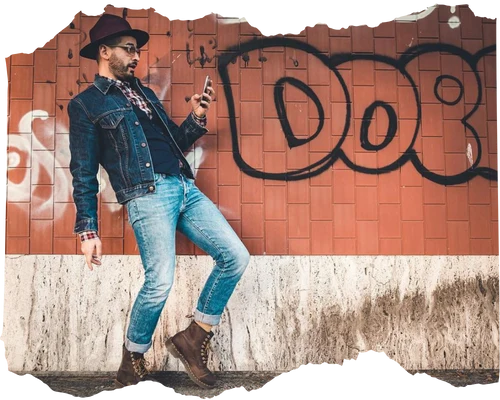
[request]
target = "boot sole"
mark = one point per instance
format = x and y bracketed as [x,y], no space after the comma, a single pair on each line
[121,386]
[176,353]
[118,384]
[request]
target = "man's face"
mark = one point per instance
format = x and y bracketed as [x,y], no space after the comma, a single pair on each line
[122,63]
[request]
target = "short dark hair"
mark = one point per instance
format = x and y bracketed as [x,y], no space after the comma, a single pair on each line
[111,41]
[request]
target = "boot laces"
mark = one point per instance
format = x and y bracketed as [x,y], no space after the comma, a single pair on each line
[205,345]
[204,350]
[140,366]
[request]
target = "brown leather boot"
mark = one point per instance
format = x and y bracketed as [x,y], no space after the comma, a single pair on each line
[133,369]
[190,346]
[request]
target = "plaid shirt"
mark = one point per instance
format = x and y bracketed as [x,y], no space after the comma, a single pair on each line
[87,235]
[137,100]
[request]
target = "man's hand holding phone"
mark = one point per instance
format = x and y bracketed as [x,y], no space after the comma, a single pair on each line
[201,102]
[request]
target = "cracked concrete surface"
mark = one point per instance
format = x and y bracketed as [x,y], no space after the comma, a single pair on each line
[424,312]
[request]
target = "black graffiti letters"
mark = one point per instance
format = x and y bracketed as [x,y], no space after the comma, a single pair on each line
[367,119]
[280,106]
[439,80]
[389,126]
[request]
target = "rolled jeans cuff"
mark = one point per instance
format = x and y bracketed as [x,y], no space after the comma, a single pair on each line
[137,348]
[206,318]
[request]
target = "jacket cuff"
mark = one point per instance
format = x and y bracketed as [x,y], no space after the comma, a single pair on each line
[87,224]
[202,121]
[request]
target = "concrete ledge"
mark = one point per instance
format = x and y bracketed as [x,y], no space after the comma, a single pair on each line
[424,312]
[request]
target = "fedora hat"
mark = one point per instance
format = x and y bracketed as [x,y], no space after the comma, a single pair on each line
[109,26]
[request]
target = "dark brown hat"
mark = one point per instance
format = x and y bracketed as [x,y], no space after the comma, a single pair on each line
[109,26]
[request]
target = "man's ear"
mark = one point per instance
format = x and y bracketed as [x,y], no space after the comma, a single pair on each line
[103,52]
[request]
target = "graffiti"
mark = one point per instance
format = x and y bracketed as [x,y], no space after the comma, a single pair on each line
[190,27]
[439,81]
[469,154]
[246,59]
[367,119]
[453,21]
[295,62]
[19,152]
[261,57]
[203,59]
[379,106]
[280,105]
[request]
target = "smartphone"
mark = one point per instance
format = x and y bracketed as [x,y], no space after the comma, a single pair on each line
[207,83]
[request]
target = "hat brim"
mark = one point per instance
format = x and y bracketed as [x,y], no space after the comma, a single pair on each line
[90,50]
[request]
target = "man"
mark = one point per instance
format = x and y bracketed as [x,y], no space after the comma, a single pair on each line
[120,124]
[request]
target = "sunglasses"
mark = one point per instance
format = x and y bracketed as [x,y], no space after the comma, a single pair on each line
[130,48]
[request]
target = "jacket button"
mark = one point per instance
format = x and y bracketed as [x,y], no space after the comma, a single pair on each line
[136,122]
[143,144]
[148,164]
[128,104]
[151,188]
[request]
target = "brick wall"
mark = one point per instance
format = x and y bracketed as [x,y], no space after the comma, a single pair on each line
[409,178]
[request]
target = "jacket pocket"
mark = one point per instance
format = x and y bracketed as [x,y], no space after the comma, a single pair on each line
[112,126]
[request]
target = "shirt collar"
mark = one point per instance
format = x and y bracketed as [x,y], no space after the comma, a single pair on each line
[104,83]
[118,82]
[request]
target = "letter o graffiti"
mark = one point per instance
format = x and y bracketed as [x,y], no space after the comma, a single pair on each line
[439,79]
[367,119]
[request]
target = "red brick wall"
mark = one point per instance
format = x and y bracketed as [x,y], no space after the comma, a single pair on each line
[394,200]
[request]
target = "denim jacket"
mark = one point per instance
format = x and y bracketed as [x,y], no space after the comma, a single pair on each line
[104,129]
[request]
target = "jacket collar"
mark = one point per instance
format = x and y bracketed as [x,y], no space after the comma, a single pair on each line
[103,84]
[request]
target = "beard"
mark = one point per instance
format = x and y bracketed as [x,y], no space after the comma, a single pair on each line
[120,69]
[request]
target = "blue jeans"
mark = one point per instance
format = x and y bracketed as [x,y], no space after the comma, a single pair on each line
[178,204]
